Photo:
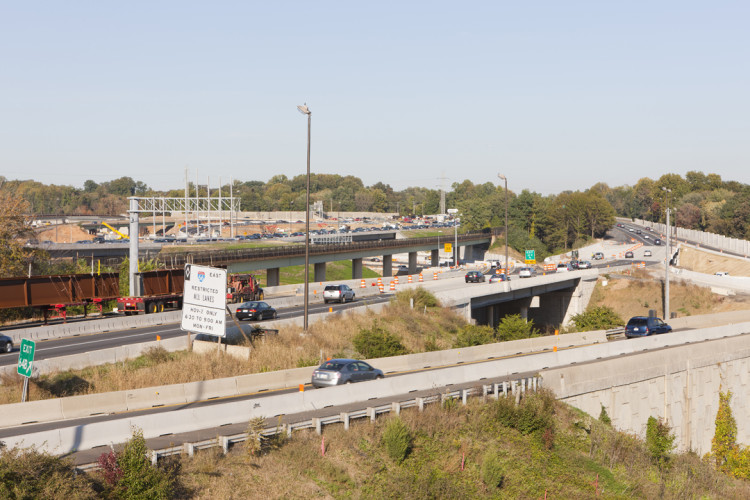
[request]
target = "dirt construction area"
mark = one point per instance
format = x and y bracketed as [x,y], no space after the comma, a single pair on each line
[64,233]
[709,263]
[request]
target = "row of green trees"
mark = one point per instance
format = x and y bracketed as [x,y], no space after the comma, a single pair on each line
[544,223]
[698,201]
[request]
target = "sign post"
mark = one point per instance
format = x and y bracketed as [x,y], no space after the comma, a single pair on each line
[25,364]
[530,257]
[204,300]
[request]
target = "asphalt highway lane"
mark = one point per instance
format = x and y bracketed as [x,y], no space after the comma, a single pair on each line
[46,349]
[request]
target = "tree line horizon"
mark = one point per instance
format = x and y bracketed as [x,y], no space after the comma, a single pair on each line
[545,223]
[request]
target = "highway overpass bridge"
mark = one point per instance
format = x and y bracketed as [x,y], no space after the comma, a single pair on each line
[549,300]
[272,258]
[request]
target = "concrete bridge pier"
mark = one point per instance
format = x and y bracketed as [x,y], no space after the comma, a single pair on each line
[435,258]
[552,310]
[272,276]
[320,272]
[387,265]
[468,254]
[412,262]
[478,251]
[357,269]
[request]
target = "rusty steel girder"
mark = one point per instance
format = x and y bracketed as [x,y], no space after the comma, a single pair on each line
[163,281]
[39,291]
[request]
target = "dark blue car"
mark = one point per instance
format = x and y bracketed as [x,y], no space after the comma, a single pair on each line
[642,326]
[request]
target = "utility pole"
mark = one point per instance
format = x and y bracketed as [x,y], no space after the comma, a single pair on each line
[666,261]
[502,177]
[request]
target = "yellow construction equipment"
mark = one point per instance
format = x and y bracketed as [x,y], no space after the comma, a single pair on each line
[120,235]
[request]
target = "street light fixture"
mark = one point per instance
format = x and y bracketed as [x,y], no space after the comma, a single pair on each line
[502,177]
[306,111]
[666,259]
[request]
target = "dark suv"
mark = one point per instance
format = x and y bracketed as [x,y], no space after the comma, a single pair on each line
[474,277]
[642,326]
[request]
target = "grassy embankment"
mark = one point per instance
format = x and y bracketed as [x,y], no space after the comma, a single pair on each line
[637,294]
[539,449]
[710,263]
[419,330]
[478,451]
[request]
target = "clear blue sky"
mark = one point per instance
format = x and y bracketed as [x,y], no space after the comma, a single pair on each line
[555,94]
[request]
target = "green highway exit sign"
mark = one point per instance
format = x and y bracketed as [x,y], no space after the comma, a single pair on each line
[530,257]
[26,357]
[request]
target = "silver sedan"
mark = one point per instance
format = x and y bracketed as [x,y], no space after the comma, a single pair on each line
[344,371]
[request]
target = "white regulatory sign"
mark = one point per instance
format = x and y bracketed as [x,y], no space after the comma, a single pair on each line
[204,300]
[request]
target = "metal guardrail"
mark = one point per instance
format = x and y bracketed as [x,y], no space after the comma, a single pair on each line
[514,388]
[615,333]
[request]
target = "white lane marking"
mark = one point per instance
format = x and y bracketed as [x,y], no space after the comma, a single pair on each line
[108,339]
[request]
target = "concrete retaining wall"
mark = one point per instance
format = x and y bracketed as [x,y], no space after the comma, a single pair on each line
[681,387]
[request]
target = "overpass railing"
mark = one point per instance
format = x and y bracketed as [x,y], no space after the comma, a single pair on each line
[250,254]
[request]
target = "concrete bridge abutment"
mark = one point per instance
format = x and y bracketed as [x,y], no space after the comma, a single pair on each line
[680,385]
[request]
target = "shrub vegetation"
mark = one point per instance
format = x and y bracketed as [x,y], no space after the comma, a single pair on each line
[659,440]
[377,342]
[397,440]
[514,327]
[597,318]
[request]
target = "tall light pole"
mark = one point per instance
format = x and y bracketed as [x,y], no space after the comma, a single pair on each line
[666,260]
[502,177]
[306,111]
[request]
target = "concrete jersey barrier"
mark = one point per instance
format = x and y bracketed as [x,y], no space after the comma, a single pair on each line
[139,399]
[86,436]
